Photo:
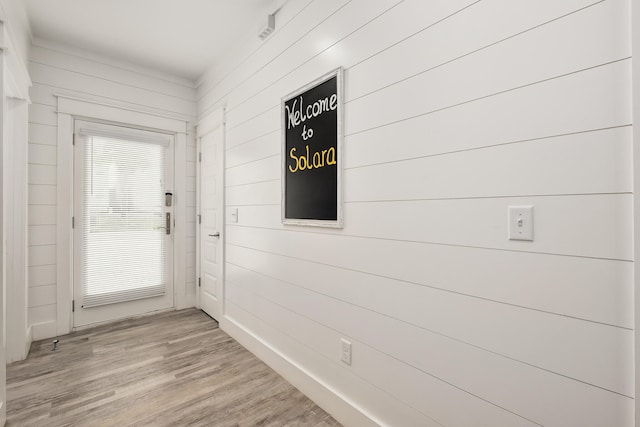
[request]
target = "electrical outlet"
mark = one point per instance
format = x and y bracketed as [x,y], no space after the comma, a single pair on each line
[345,351]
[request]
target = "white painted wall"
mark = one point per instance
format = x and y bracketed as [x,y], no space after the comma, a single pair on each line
[14,14]
[60,70]
[16,86]
[454,111]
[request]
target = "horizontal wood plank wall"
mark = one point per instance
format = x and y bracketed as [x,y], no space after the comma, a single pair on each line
[454,111]
[61,70]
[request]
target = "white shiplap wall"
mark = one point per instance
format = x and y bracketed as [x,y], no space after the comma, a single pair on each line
[55,70]
[454,111]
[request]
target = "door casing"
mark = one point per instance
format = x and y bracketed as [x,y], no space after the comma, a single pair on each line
[69,109]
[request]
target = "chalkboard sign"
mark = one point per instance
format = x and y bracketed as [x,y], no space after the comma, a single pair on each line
[311,154]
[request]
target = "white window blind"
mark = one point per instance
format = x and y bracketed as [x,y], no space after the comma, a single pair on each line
[123,218]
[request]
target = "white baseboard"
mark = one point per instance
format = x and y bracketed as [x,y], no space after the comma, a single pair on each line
[41,331]
[322,394]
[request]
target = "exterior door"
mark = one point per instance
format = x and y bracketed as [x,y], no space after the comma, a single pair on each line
[123,222]
[212,222]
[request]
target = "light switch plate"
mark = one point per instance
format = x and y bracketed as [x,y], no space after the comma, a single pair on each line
[521,223]
[234,215]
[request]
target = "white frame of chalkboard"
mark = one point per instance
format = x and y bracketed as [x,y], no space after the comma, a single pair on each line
[338,222]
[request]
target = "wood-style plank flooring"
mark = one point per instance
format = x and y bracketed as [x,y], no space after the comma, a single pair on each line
[171,369]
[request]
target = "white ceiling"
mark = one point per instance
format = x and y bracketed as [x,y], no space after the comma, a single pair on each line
[179,37]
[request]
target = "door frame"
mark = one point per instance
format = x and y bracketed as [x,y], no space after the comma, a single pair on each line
[206,125]
[136,307]
[635,106]
[69,109]
[18,337]
[14,88]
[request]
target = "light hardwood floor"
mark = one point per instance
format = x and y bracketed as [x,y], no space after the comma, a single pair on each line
[172,369]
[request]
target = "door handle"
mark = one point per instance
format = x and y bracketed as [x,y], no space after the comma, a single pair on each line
[168,222]
[215,235]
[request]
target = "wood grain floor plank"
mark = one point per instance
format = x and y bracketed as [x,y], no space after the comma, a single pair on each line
[171,369]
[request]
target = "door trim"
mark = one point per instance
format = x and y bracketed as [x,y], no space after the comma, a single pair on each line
[635,106]
[210,122]
[70,108]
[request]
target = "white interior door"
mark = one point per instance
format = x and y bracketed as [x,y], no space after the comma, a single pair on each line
[123,239]
[212,222]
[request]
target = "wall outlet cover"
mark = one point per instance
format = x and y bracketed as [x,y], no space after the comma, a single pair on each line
[345,351]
